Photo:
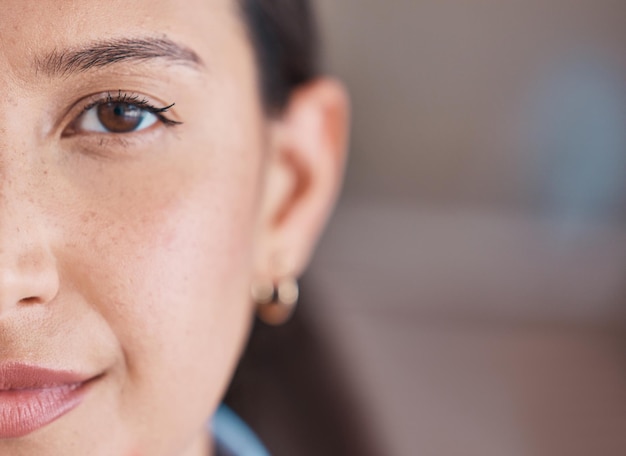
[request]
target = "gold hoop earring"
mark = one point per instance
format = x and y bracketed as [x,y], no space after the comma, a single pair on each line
[275,301]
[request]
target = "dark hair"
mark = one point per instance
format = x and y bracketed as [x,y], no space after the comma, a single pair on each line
[284,37]
[292,388]
[288,386]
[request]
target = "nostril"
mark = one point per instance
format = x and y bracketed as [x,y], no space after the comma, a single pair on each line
[27,278]
[31,300]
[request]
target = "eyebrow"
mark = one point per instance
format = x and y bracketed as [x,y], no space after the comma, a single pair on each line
[110,52]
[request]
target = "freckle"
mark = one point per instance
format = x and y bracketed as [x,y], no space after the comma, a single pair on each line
[13,101]
[88,216]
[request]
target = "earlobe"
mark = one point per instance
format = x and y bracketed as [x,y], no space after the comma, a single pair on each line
[275,301]
[305,171]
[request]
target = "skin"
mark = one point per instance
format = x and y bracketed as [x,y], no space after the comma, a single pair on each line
[130,256]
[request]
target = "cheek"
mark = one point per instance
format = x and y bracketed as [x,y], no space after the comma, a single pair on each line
[182,268]
[165,261]
[180,259]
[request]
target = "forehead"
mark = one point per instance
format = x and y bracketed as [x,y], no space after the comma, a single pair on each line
[33,29]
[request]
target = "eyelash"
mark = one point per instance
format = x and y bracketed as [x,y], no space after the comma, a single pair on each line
[134,100]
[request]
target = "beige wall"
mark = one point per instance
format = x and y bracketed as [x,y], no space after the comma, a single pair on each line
[471,322]
[439,88]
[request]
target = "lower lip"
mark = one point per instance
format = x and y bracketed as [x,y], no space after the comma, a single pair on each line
[23,411]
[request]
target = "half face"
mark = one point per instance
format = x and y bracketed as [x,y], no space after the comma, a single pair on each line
[127,229]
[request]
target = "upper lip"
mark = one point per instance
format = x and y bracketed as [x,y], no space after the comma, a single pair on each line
[19,376]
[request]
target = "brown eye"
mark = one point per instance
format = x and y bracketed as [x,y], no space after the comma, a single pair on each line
[120,117]
[115,117]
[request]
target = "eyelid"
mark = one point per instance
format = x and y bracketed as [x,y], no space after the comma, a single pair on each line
[130,98]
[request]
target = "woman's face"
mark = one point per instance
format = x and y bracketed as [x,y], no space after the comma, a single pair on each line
[128,242]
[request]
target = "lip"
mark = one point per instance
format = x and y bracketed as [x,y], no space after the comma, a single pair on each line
[32,397]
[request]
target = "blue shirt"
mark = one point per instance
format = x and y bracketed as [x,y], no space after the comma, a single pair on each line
[233,437]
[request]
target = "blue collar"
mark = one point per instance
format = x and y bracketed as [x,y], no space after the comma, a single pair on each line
[233,437]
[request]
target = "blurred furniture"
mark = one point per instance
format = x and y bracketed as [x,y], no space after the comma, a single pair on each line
[478,333]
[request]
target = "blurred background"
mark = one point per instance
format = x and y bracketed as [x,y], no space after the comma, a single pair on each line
[472,279]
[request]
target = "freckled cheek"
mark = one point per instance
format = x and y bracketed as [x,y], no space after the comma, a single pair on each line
[166,269]
[172,263]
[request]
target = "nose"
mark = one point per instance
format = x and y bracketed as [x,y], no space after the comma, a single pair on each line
[28,267]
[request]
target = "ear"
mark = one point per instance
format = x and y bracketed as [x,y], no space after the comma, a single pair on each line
[308,144]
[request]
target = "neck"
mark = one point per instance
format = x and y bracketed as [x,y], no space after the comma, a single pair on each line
[202,445]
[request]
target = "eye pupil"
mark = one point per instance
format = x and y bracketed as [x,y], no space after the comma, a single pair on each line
[118,110]
[120,117]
